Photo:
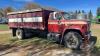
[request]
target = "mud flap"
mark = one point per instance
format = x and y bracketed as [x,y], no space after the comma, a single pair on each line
[90,45]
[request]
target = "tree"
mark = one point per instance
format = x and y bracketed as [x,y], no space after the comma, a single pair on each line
[90,15]
[98,11]
[75,14]
[30,5]
[86,16]
[83,11]
[1,13]
[79,12]
[7,10]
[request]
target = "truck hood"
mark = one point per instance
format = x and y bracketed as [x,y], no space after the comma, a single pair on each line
[77,22]
[80,22]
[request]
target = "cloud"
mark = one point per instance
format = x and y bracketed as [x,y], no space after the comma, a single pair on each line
[23,0]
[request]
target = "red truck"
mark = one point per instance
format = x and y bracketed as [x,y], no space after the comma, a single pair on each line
[57,25]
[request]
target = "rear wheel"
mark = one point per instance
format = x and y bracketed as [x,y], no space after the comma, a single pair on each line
[72,40]
[20,34]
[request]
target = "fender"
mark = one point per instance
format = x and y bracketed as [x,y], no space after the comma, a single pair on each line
[68,29]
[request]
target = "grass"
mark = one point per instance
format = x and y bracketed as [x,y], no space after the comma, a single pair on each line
[4,38]
[96,32]
[4,27]
[31,41]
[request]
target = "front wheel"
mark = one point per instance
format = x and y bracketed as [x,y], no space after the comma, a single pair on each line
[72,40]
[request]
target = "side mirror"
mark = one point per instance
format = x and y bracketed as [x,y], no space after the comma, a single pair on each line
[59,17]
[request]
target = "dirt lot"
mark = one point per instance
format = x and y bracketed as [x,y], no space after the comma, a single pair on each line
[41,47]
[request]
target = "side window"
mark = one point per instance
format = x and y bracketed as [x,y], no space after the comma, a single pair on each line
[55,16]
[51,16]
[58,16]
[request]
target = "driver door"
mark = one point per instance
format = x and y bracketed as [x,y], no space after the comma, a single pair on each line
[54,22]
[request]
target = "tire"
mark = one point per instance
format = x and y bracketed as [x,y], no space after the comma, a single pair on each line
[20,34]
[72,40]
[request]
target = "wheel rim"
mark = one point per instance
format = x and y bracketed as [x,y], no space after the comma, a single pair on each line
[18,34]
[72,41]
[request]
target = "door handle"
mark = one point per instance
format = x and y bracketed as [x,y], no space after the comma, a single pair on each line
[59,22]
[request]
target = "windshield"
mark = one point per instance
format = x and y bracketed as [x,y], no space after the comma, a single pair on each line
[73,16]
[68,16]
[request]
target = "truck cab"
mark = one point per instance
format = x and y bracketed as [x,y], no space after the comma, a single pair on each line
[73,32]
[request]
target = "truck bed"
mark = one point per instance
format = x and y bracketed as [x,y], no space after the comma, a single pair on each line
[33,19]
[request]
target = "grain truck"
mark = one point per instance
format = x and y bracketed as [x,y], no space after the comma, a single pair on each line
[57,25]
